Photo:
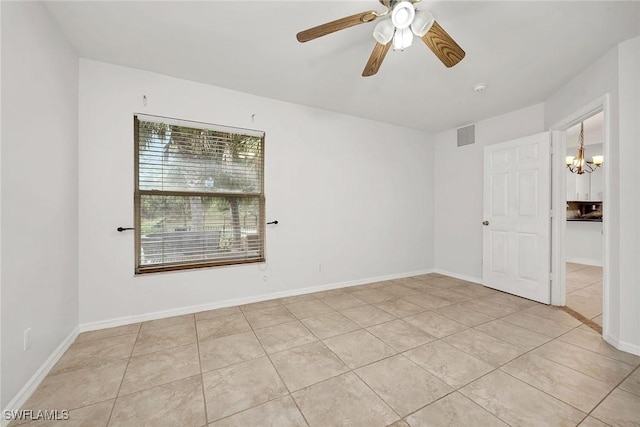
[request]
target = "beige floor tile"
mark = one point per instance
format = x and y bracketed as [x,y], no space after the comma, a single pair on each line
[399,290]
[330,293]
[372,295]
[296,298]
[589,363]
[619,409]
[592,422]
[454,410]
[402,384]
[572,266]
[260,305]
[75,389]
[229,350]
[167,322]
[446,362]
[359,348]
[435,324]
[96,415]
[177,403]
[342,301]
[109,332]
[475,290]
[239,387]
[343,401]
[513,334]
[512,301]
[463,315]
[399,307]
[95,353]
[592,291]
[520,404]
[161,367]
[221,326]
[399,423]
[598,320]
[568,385]
[586,337]
[306,309]
[211,314]
[421,287]
[553,313]
[588,307]
[491,350]
[308,364]
[281,412]
[538,324]
[400,334]
[367,315]
[151,340]
[488,307]
[452,295]
[428,301]
[269,317]
[330,325]
[632,383]
[446,282]
[284,336]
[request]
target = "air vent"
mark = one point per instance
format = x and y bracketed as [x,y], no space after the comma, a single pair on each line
[467,135]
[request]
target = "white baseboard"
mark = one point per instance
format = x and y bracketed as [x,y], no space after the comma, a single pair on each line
[459,276]
[621,345]
[120,321]
[585,261]
[21,398]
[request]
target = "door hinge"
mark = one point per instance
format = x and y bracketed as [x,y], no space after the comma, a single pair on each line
[551,215]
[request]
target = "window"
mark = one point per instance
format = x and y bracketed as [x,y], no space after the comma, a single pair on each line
[199,195]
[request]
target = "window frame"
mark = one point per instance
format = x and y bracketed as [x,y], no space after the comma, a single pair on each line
[141,269]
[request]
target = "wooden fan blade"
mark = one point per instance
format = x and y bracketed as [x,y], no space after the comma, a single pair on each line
[376,58]
[333,26]
[441,43]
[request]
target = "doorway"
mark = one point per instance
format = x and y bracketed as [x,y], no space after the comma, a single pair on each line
[585,221]
[561,271]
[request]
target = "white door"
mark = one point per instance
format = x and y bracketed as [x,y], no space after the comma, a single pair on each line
[516,227]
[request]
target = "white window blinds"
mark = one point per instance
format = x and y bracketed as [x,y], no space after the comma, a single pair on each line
[199,194]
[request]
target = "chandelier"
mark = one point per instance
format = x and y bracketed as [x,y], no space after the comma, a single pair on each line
[579,164]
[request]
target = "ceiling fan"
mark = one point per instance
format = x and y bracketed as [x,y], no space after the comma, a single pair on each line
[397,31]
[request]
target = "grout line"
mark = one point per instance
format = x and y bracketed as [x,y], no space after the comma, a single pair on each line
[204,396]
[115,399]
[617,387]
[277,372]
[590,323]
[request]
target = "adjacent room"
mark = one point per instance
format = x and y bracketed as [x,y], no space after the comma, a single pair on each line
[320,213]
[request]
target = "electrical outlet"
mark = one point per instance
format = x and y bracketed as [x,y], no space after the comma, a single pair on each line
[27,339]
[264,277]
[319,267]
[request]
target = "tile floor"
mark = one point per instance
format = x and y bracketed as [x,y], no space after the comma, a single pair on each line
[428,350]
[584,290]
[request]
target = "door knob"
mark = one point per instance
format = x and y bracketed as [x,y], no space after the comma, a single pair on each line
[485,222]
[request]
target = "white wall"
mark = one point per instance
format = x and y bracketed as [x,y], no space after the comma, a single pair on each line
[39,191]
[458,189]
[350,194]
[617,73]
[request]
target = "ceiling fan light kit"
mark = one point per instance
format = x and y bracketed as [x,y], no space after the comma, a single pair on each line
[402,15]
[396,31]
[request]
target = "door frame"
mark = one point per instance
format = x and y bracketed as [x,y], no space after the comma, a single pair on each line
[559,202]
